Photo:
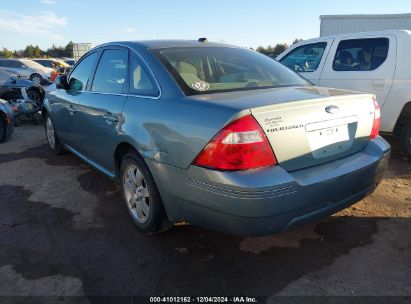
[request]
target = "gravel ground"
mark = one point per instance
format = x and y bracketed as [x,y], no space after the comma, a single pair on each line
[64,232]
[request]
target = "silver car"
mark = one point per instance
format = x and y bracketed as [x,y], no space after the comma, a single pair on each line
[28,69]
[215,135]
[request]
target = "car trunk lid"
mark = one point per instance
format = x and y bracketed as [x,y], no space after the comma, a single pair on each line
[310,132]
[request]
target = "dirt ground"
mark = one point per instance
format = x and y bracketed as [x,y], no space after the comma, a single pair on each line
[64,232]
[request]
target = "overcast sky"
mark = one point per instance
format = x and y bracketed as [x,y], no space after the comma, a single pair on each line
[245,23]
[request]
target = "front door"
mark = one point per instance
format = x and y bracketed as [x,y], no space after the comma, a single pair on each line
[308,59]
[66,103]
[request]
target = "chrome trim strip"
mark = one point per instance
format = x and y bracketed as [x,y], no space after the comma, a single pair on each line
[105,93]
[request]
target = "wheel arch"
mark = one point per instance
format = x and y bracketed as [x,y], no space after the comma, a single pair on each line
[121,150]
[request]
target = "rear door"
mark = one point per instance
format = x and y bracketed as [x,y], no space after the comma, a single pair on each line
[365,64]
[100,115]
[308,59]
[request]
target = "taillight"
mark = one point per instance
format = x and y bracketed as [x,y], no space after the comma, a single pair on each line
[377,120]
[241,145]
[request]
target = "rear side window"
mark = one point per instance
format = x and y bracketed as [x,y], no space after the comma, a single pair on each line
[305,58]
[361,54]
[45,63]
[111,72]
[141,83]
[81,74]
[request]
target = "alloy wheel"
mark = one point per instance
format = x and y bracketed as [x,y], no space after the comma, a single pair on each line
[36,79]
[136,193]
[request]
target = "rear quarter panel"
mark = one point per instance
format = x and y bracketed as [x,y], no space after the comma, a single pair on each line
[172,131]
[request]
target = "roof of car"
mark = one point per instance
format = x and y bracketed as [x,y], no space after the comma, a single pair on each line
[157,44]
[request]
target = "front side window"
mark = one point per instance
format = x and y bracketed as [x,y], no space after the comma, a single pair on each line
[81,74]
[111,72]
[141,83]
[305,58]
[203,70]
[361,54]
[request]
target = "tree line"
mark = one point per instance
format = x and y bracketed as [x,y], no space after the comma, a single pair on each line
[32,51]
[274,51]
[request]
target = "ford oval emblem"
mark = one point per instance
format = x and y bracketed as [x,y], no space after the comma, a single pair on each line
[332,109]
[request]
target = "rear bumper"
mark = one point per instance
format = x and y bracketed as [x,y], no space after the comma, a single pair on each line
[269,200]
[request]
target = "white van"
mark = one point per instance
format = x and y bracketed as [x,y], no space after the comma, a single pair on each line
[374,62]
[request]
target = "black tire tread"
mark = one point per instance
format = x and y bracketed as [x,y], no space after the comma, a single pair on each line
[3,128]
[58,147]
[405,136]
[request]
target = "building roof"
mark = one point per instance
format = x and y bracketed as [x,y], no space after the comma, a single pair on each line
[365,16]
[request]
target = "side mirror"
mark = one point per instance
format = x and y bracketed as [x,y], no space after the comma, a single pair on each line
[61,82]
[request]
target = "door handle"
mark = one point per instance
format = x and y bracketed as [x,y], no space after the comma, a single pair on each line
[72,110]
[109,117]
[378,83]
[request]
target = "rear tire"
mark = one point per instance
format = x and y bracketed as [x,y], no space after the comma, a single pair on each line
[141,197]
[36,78]
[54,143]
[405,140]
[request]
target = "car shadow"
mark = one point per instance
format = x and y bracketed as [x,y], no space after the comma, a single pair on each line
[117,260]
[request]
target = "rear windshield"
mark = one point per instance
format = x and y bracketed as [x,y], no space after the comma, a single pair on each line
[204,70]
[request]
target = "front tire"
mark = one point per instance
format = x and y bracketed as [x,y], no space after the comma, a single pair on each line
[36,97]
[54,143]
[141,196]
[405,140]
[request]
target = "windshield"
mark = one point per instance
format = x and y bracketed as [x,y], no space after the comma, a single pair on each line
[220,69]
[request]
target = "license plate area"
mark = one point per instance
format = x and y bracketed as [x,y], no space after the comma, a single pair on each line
[329,138]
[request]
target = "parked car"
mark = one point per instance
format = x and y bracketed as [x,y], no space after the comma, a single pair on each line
[217,136]
[12,88]
[28,69]
[69,61]
[373,62]
[59,65]
[6,121]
